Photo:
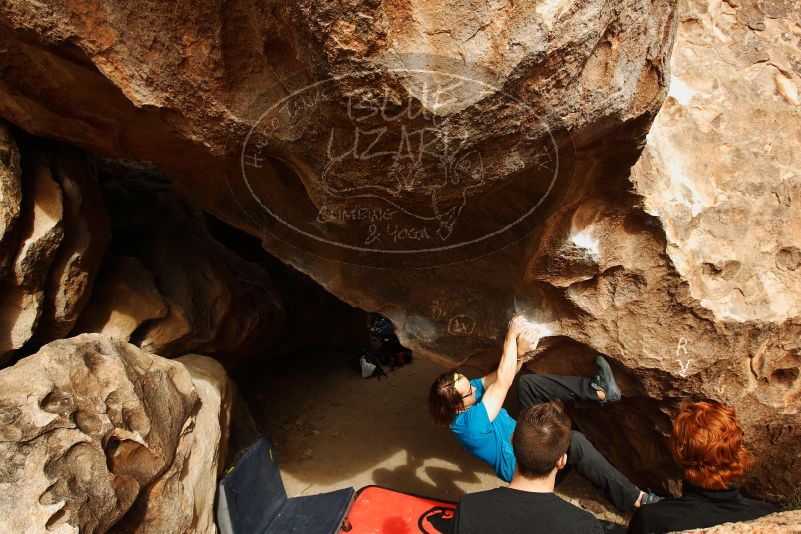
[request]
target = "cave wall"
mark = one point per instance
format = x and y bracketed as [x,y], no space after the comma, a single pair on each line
[54,234]
[102,246]
[679,265]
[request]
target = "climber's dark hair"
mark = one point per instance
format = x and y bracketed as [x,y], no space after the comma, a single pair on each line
[444,400]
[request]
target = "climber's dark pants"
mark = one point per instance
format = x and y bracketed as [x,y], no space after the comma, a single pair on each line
[582,456]
[537,389]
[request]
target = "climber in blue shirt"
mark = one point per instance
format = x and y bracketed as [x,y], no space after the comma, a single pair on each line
[473,409]
[487,439]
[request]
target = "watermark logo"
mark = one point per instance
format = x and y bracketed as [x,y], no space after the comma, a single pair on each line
[422,163]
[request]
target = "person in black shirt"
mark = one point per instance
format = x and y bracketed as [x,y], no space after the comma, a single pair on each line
[708,445]
[529,505]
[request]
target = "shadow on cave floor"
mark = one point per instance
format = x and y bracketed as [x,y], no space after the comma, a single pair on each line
[334,429]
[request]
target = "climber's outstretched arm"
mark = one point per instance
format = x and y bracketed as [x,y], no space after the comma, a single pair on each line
[527,341]
[503,378]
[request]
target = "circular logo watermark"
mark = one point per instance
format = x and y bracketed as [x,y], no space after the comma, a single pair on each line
[420,163]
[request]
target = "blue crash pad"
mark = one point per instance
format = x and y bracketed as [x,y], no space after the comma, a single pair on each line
[252,499]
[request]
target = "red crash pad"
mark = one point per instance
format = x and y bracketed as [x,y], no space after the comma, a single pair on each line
[378,510]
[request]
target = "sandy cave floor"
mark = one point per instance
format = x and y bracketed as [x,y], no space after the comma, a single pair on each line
[333,429]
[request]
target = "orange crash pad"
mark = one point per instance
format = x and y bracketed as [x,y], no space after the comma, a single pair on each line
[378,510]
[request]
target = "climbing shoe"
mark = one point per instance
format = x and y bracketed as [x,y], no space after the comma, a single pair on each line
[604,381]
[650,498]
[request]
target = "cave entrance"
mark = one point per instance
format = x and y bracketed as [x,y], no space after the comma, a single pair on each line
[331,427]
[334,429]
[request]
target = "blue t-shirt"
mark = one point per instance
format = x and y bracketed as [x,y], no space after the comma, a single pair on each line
[489,440]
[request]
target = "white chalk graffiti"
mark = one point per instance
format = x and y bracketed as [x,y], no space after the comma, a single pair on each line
[682,346]
[426,158]
[400,153]
[437,310]
[374,235]
[461,325]
[253,159]
[684,367]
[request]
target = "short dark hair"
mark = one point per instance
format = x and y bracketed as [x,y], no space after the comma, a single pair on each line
[541,437]
[444,400]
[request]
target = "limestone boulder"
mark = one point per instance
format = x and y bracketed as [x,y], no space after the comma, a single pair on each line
[54,235]
[10,196]
[488,97]
[86,234]
[12,335]
[41,231]
[124,297]
[182,499]
[781,523]
[720,169]
[87,424]
[719,174]
[579,69]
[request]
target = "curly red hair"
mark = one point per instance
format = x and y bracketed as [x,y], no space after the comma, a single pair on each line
[708,445]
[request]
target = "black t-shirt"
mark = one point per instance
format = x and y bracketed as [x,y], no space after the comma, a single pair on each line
[514,511]
[697,508]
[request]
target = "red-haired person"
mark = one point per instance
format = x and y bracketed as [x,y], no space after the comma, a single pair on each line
[708,445]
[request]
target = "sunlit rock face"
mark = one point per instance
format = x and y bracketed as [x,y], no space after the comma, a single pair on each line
[372,134]
[98,435]
[85,433]
[721,166]
[450,165]
[720,172]
[182,499]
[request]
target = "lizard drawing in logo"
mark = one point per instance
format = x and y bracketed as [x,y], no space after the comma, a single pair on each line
[420,175]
